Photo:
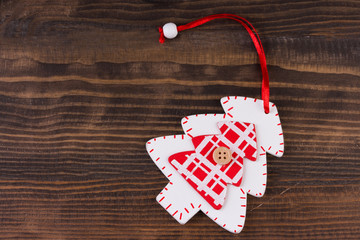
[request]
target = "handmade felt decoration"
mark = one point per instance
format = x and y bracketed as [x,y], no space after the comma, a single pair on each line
[221,157]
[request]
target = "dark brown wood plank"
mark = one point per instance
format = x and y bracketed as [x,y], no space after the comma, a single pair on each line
[84,85]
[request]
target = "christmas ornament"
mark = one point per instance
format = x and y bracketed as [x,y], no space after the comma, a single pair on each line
[221,157]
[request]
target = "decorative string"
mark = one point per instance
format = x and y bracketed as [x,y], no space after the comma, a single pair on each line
[162,37]
[265,91]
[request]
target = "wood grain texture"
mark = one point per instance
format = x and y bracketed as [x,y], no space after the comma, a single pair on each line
[84,85]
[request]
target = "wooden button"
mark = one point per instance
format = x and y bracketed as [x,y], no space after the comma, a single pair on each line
[222,155]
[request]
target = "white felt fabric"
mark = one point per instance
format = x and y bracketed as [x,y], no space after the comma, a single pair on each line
[181,200]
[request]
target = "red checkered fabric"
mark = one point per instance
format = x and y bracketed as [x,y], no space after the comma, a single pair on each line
[207,177]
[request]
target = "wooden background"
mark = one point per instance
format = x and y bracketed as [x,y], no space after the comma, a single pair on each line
[85,83]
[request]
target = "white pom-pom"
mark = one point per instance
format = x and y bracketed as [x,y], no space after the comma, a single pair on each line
[170,30]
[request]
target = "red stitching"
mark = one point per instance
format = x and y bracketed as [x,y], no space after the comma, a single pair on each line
[170,175]
[264,164]
[242,190]
[230,115]
[192,205]
[189,130]
[161,199]
[245,98]
[175,212]
[277,114]
[224,225]
[185,122]
[281,143]
[264,173]
[224,116]
[280,134]
[207,212]
[262,154]
[235,97]
[166,189]
[168,206]
[281,151]
[243,205]
[163,168]
[226,102]
[171,183]
[279,124]
[242,216]
[148,142]
[186,118]
[199,206]
[180,216]
[262,148]
[190,135]
[151,150]
[174,136]
[242,197]
[186,210]
[230,108]
[215,219]
[239,225]
[269,148]
[255,100]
